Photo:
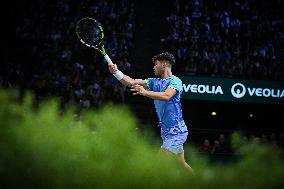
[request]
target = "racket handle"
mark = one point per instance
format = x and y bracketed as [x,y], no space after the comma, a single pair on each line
[109,62]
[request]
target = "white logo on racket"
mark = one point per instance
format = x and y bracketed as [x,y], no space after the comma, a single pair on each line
[240,90]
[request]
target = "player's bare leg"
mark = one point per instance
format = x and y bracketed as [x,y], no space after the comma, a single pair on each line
[180,158]
[185,164]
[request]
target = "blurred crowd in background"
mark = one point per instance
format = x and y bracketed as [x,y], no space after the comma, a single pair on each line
[50,60]
[235,39]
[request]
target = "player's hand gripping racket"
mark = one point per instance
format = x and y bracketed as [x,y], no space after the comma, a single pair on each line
[91,34]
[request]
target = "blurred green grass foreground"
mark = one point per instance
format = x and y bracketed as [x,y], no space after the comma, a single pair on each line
[44,147]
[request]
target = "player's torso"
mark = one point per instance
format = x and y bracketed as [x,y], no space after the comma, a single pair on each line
[169,112]
[160,85]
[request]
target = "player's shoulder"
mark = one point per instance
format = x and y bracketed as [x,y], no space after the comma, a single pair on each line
[175,79]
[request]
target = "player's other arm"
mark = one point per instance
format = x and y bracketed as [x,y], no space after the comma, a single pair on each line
[125,79]
[166,95]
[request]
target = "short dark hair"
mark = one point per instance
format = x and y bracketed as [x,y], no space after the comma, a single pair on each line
[166,56]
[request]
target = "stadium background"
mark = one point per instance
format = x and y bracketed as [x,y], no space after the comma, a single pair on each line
[238,39]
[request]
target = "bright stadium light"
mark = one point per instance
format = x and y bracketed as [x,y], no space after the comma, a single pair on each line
[213,113]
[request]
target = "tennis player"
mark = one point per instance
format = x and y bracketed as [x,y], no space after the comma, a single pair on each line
[166,91]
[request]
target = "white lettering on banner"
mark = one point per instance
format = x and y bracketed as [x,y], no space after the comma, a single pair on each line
[266,92]
[194,88]
[201,89]
[262,92]
[274,95]
[278,93]
[219,90]
[258,92]
[186,87]
[251,91]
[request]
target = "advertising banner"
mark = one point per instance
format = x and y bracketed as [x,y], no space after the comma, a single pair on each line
[233,90]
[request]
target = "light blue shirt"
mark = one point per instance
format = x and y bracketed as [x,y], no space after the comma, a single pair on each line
[169,112]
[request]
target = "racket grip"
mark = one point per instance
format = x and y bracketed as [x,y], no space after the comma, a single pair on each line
[109,62]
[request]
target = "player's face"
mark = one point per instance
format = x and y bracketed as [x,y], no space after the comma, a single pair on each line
[158,68]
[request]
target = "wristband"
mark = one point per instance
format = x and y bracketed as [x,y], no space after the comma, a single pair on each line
[118,75]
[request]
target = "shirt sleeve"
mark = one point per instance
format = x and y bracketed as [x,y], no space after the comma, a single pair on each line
[150,82]
[176,83]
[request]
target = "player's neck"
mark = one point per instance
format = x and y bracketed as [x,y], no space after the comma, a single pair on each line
[167,73]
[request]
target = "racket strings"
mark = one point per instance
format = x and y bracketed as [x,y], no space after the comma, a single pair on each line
[89,32]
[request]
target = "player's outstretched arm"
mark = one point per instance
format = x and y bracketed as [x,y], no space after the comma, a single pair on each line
[125,79]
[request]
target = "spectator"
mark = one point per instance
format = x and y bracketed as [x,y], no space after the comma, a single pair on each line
[216,149]
[205,148]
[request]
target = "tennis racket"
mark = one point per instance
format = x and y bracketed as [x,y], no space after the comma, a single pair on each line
[90,33]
